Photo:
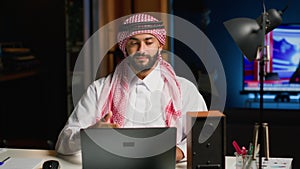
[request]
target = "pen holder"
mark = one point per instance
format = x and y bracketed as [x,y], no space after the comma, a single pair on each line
[245,162]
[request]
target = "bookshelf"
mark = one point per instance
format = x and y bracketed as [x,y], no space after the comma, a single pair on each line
[33,96]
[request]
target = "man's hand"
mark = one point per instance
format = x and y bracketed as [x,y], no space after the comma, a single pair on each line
[105,122]
[179,154]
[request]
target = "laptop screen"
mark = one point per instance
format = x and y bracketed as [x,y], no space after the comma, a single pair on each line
[130,148]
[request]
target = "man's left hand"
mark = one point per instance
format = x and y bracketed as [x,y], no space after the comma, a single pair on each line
[179,154]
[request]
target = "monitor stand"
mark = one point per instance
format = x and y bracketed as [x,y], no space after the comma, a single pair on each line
[283,97]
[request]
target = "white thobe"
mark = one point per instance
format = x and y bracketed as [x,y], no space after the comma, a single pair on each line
[145,109]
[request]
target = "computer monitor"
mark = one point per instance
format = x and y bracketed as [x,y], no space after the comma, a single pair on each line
[283,68]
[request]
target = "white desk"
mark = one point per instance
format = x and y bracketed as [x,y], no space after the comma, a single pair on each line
[74,162]
[66,162]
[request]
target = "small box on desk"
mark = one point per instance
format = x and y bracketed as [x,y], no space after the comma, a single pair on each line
[232,162]
[206,140]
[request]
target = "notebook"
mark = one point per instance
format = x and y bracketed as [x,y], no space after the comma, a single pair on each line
[22,163]
[130,148]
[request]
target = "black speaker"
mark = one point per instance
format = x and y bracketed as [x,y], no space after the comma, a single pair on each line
[206,141]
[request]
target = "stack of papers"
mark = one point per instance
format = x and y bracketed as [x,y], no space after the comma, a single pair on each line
[21,163]
[282,163]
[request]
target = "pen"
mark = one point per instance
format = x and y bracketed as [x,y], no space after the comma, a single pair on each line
[237,147]
[250,150]
[2,162]
[244,150]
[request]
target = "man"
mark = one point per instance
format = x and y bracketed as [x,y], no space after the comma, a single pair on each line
[143,91]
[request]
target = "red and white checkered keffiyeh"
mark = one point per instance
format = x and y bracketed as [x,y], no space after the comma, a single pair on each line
[116,90]
[138,24]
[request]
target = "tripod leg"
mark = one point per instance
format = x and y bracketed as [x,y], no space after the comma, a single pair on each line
[255,140]
[266,140]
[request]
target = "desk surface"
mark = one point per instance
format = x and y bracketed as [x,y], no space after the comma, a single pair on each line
[74,162]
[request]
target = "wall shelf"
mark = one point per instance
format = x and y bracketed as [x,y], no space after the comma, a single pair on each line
[272,104]
[19,75]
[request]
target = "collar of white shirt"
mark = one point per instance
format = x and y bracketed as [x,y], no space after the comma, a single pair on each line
[153,81]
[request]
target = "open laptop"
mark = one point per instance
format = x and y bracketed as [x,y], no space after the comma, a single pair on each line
[128,148]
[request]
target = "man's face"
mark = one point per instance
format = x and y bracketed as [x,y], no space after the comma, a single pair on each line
[143,50]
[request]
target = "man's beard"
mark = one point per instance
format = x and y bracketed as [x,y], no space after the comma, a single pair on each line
[140,67]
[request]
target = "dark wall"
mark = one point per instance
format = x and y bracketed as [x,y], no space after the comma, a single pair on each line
[283,123]
[35,107]
[229,53]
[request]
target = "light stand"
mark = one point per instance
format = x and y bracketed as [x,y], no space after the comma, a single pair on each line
[250,34]
[261,91]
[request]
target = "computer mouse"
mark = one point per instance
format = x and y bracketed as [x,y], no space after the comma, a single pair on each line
[51,164]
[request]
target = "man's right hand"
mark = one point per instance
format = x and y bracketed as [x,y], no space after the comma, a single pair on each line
[105,122]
